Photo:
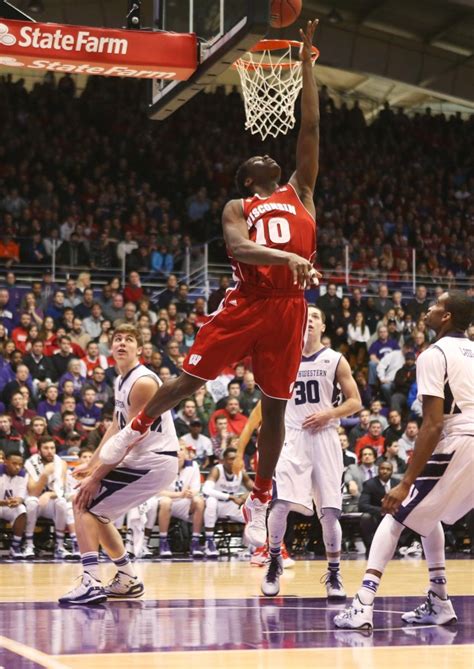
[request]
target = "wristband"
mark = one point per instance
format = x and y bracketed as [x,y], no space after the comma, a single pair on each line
[141,423]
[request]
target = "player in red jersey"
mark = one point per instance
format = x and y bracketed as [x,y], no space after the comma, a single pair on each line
[271,239]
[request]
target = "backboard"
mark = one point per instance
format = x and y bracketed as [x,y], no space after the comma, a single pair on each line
[225,29]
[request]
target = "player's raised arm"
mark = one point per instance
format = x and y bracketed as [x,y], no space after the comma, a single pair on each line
[307,148]
[244,250]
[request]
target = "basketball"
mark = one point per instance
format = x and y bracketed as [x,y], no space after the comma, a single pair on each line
[284,12]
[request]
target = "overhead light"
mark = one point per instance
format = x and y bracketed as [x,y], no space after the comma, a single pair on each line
[35,6]
[334,16]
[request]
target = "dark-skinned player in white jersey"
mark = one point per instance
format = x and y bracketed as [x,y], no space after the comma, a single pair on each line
[437,485]
[271,239]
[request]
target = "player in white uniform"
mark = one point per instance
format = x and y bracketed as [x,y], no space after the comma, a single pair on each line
[223,493]
[311,465]
[15,507]
[119,479]
[47,484]
[437,486]
[182,501]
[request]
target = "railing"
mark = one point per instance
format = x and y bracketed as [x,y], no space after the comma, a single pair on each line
[204,277]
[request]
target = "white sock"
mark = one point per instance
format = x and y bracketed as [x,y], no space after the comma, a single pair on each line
[124,565]
[277,526]
[433,545]
[381,552]
[368,589]
[90,564]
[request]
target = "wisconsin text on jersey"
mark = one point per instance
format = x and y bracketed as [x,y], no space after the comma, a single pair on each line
[267,207]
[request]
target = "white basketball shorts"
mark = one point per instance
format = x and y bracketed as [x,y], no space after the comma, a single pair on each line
[444,491]
[310,468]
[124,487]
[11,513]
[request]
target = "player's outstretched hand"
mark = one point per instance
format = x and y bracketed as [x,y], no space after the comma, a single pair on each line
[307,39]
[393,499]
[302,270]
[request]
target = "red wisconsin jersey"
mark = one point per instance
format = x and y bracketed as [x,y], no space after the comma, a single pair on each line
[282,222]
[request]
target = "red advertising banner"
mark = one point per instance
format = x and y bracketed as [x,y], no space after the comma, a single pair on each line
[114,53]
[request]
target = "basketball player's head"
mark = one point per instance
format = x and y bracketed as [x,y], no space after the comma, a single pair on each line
[228,458]
[13,463]
[452,311]
[182,454]
[126,344]
[256,173]
[316,323]
[47,449]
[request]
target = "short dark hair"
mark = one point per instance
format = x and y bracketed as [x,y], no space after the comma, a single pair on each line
[45,439]
[228,451]
[461,307]
[367,448]
[85,449]
[13,453]
[242,174]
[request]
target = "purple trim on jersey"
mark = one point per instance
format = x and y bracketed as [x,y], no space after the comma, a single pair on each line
[313,357]
[123,379]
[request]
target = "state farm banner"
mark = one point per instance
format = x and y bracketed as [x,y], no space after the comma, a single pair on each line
[113,53]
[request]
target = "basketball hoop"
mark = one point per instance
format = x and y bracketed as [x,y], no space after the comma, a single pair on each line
[271,78]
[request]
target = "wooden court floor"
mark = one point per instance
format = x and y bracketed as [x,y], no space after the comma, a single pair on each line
[210,614]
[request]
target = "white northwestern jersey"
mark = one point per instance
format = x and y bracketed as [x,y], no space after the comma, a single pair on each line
[12,486]
[189,477]
[446,369]
[230,483]
[34,467]
[315,389]
[162,435]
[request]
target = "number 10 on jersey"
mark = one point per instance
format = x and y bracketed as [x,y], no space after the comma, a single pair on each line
[277,232]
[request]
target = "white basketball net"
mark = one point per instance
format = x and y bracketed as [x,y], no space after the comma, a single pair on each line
[270,85]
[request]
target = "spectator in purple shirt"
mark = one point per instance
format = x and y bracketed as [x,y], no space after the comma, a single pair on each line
[380,347]
[73,374]
[88,413]
[50,405]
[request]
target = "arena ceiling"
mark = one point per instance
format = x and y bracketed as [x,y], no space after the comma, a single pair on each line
[411,53]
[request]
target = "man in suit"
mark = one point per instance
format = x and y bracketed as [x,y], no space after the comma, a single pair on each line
[370,501]
[356,475]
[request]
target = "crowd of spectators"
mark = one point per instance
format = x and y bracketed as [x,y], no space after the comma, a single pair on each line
[93,177]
